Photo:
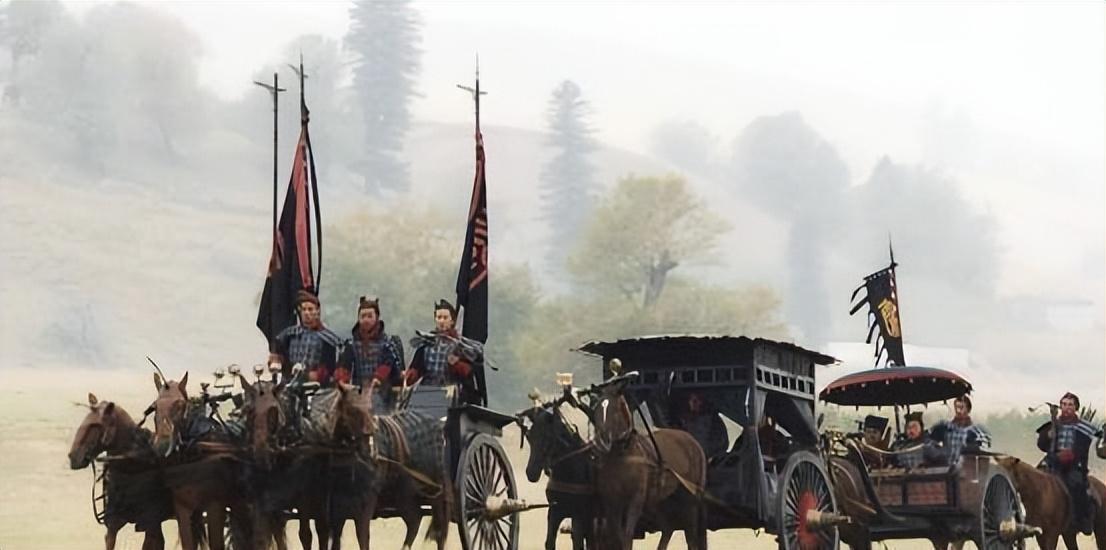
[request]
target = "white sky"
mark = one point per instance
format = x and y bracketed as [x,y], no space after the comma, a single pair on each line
[1018,88]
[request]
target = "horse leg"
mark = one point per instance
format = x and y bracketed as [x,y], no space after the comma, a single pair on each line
[666,536]
[184,525]
[363,522]
[109,537]
[216,521]
[153,540]
[553,518]
[1069,539]
[322,531]
[304,531]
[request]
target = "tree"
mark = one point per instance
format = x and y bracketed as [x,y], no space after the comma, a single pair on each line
[786,167]
[568,180]
[686,144]
[639,233]
[23,25]
[383,38]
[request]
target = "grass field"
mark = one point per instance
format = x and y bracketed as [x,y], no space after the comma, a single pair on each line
[43,504]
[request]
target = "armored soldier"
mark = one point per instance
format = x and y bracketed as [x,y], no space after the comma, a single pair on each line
[370,355]
[875,439]
[443,357]
[1066,440]
[309,342]
[960,435]
[915,448]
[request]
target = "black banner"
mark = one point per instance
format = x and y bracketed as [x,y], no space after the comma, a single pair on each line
[883,312]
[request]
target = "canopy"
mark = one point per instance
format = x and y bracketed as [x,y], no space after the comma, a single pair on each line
[895,386]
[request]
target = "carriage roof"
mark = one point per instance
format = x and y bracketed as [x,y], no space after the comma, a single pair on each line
[707,362]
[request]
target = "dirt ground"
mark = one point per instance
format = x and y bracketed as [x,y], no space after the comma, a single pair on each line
[44,504]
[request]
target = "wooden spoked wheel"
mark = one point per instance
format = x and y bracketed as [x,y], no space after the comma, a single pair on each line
[484,473]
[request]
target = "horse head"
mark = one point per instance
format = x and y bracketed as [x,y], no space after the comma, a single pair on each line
[612,419]
[265,416]
[170,410]
[355,411]
[106,427]
[542,430]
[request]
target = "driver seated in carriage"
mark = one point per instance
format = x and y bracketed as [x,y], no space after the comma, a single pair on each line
[704,424]
[914,448]
[875,439]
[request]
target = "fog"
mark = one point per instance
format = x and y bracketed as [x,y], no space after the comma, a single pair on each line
[135,161]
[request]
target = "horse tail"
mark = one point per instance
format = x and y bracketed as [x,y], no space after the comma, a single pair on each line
[441,511]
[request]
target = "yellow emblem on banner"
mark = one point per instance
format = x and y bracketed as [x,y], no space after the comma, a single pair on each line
[890,314]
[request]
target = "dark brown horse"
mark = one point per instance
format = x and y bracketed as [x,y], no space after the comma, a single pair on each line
[391,447]
[107,428]
[1048,505]
[201,482]
[560,452]
[635,478]
[285,480]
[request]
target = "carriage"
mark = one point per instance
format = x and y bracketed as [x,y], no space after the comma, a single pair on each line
[774,476]
[972,499]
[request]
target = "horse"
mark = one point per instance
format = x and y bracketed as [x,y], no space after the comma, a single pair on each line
[133,494]
[283,480]
[1048,505]
[660,476]
[201,482]
[401,451]
[560,452]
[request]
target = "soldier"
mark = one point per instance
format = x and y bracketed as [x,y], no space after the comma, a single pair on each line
[370,355]
[443,357]
[1067,441]
[705,425]
[309,342]
[875,440]
[916,448]
[959,435]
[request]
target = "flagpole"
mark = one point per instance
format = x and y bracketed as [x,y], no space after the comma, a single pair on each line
[274,89]
[476,93]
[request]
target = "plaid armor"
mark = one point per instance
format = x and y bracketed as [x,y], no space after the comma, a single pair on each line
[307,346]
[371,354]
[911,459]
[1065,436]
[435,363]
[423,443]
[957,437]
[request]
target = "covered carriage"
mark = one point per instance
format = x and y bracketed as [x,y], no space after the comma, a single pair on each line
[773,475]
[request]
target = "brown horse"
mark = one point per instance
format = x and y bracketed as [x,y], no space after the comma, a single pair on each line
[637,479]
[201,483]
[1048,505]
[390,448]
[108,428]
[288,480]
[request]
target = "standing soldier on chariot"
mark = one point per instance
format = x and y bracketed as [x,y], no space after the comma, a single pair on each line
[443,357]
[960,435]
[308,342]
[370,355]
[1067,441]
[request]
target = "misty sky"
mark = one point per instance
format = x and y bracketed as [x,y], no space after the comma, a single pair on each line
[1008,97]
[1005,100]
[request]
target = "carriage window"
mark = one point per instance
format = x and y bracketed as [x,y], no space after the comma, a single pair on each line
[760,375]
[794,383]
[706,375]
[775,379]
[687,376]
[802,386]
[724,375]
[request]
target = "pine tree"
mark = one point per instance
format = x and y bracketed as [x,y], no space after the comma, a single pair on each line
[568,180]
[384,38]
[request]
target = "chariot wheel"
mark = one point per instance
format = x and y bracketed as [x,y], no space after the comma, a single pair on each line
[484,478]
[1000,503]
[806,509]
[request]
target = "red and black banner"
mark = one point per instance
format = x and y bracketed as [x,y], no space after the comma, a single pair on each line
[883,312]
[472,277]
[290,267]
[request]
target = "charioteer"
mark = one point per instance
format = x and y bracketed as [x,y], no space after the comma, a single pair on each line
[443,358]
[371,355]
[960,436]
[309,342]
[1066,440]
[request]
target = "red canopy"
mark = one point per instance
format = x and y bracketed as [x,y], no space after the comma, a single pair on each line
[895,386]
